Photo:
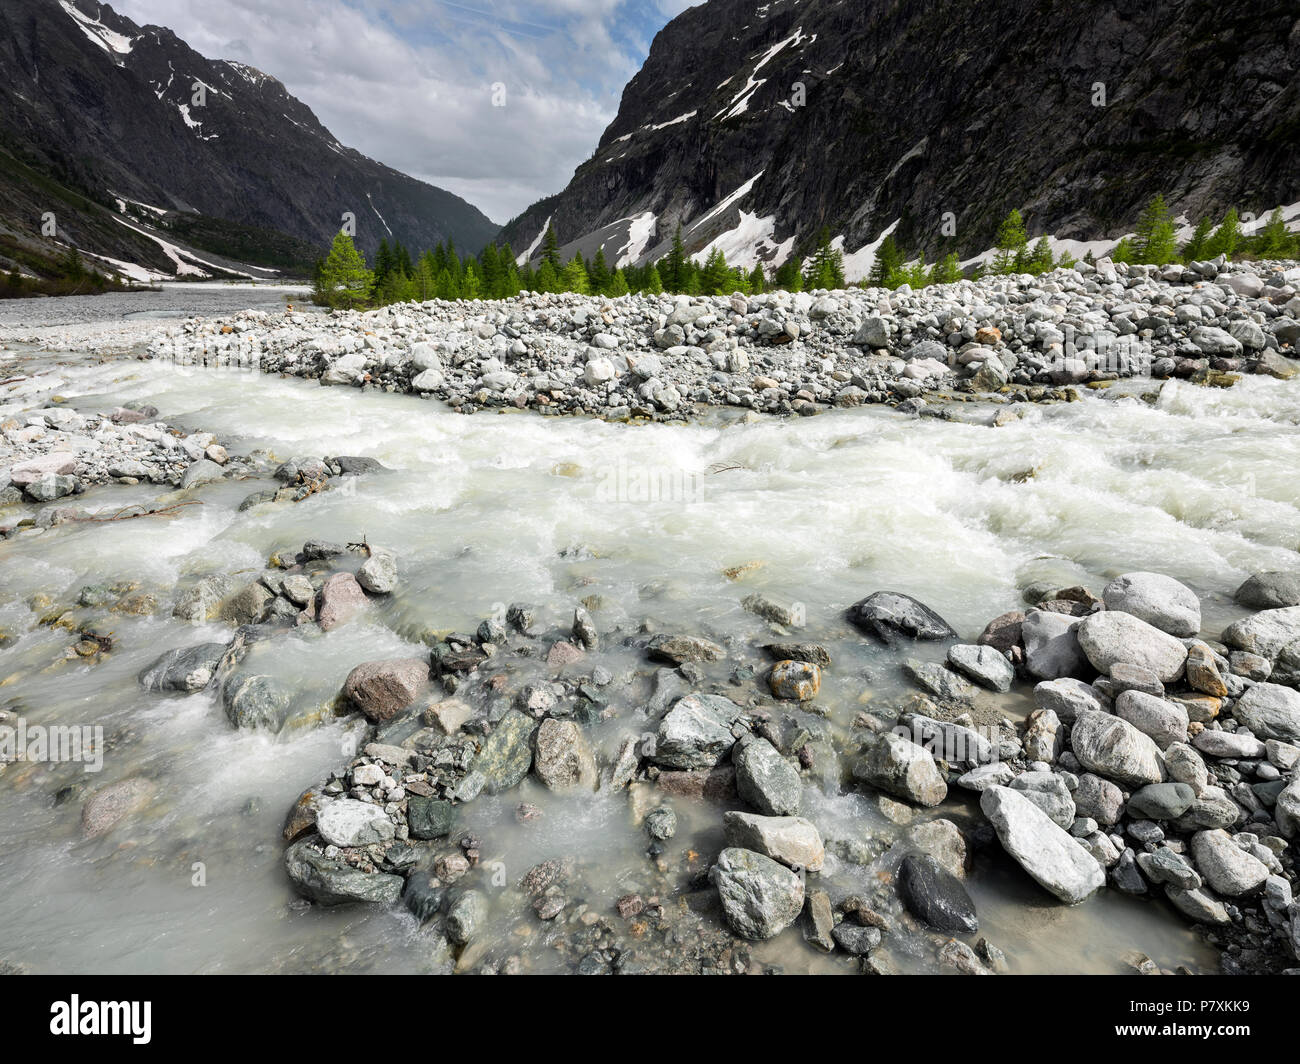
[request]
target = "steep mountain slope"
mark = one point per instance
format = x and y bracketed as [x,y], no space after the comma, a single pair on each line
[114,111]
[755,124]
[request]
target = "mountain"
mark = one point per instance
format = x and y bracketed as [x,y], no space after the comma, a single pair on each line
[142,148]
[756,124]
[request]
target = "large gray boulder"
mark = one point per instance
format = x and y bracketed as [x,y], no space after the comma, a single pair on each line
[760,897]
[348,822]
[1113,748]
[1051,856]
[1165,722]
[1270,591]
[1225,866]
[1266,633]
[766,780]
[1159,600]
[563,759]
[696,732]
[1271,711]
[900,767]
[792,840]
[1052,649]
[1066,697]
[1111,637]
[986,666]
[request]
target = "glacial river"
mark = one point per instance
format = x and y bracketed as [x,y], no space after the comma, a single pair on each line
[494,509]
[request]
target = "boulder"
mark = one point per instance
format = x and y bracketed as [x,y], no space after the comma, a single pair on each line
[340,599]
[564,759]
[935,896]
[1066,697]
[1112,747]
[1270,710]
[893,764]
[760,897]
[1051,644]
[986,666]
[1159,600]
[1270,591]
[792,840]
[1049,792]
[504,757]
[1051,856]
[332,881]
[1226,867]
[766,780]
[1265,633]
[382,689]
[1161,801]
[348,822]
[1165,722]
[696,732]
[1111,637]
[893,617]
[186,669]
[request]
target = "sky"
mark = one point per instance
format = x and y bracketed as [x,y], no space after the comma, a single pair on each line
[495,100]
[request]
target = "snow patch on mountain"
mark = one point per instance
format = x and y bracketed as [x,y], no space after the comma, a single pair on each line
[640,232]
[98,33]
[537,241]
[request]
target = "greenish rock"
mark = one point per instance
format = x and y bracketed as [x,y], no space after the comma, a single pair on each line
[766,780]
[760,898]
[331,881]
[429,818]
[507,753]
[186,669]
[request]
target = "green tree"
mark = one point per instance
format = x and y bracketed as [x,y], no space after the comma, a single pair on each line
[887,263]
[617,285]
[1123,251]
[599,271]
[1273,240]
[1012,244]
[574,278]
[673,270]
[1154,241]
[653,282]
[1197,242]
[757,280]
[947,270]
[345,279]
[1040,258]
[1225,240]
[715,278]
[825,269]
[551,249]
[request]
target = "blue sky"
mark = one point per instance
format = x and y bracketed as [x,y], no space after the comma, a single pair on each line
[414,83]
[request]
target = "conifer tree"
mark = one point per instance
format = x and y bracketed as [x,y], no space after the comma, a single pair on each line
[1196,243]
[617,285]
[653,282]
[1012,242]
[888,261]
[345,279]
[1040,258]
[1154,241]
[757,280]
[674,270]
[947,270]
[599,272]
[575,278]
[1273,241]
[1227,237]
[551,249]
[715,277]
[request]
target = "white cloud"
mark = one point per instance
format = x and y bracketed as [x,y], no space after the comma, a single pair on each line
[410,82]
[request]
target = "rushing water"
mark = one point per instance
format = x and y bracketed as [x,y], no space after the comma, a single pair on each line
[494,509]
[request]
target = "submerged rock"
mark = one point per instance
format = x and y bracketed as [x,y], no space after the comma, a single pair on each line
[186,669]
[110,804]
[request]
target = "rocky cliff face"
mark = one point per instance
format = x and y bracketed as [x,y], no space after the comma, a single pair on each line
[108,108]
[756,123]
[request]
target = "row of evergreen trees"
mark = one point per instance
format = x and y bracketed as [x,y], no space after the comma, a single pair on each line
[343,278]
[1155,241]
